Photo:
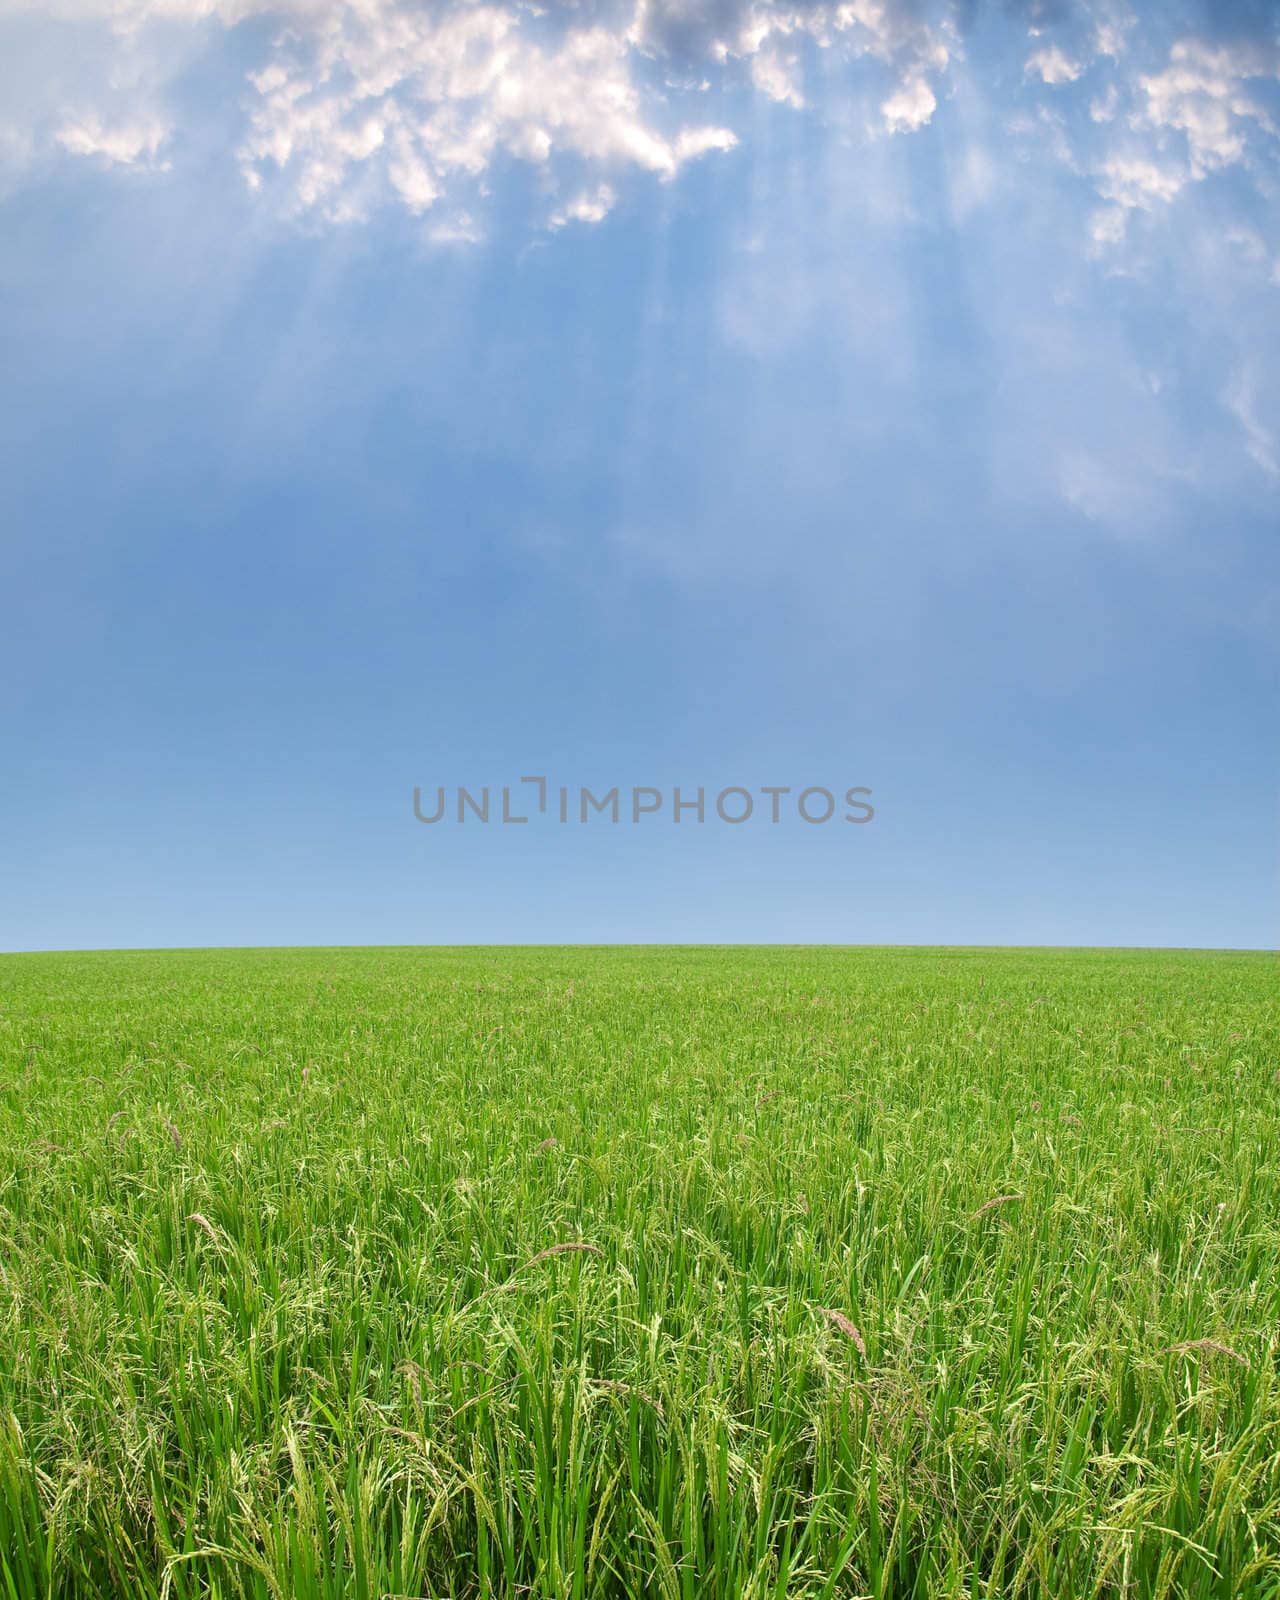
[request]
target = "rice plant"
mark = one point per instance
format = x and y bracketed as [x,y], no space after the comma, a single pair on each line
[716,1273]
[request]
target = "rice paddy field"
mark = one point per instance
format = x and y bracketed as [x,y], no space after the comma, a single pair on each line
[627,1272]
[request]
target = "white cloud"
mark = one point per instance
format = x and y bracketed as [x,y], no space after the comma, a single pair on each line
[1248,243]
[1053,66]
[910,106]
[1128,498]
[1241,400]
[424,100]
[591,205]
[1103,106]
[459,229]
[354,104]
[1138,183]
[412,180]
[1201,94]
[1107,227]
[694,142]
[123,143]
[1251,250]
[718,30]
[776,74]
[772,34]
[1109,40]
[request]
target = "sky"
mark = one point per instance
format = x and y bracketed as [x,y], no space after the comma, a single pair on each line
[639,394]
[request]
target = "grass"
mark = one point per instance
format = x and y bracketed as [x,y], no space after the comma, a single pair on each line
[683,1273]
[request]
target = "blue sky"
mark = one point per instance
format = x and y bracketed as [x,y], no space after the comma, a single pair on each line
[639,394]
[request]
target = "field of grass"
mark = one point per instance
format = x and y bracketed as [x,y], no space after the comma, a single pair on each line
[684,1273]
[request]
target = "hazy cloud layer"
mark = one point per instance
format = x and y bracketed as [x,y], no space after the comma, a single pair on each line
[351,105]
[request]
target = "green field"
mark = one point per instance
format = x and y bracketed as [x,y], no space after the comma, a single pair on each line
[671,1272]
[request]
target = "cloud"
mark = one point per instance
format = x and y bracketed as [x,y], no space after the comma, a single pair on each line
[459,229]
[771,35]
[1103,106]
[1127,497]
[1192,118]
[355,104]
[1053,66]
[1201,94]
[124,143]
[716,30]
[1138,183]
[420,102]
[1109,38]
[1241,400]
[776,74]
[588,206]
[412,179]
[694,142]
[1107,227]
[909,107]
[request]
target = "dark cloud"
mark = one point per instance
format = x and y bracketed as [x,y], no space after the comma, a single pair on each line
[1219,19]
[686,30]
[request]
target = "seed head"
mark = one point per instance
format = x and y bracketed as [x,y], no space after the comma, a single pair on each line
[1208,1347]
[846,1327]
